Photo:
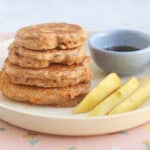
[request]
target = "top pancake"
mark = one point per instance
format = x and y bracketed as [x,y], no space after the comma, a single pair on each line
[50,36]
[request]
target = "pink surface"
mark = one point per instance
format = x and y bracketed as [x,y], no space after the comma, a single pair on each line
[13,138]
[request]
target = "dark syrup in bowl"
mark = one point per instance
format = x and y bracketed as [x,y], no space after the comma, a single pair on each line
[122,48]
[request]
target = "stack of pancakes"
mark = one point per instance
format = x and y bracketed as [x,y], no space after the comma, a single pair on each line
[47,64]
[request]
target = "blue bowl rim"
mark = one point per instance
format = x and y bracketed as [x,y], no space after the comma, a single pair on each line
[146,49]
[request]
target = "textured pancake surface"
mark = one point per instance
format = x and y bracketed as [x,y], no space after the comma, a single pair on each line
[54,96]
[50,36]
[40,59]
[53,76]
[0,79]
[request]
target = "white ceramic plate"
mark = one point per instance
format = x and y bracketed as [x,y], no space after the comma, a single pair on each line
[61,121]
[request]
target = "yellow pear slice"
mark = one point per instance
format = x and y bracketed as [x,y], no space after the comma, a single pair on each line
[102,90]
[135,100]
[116,98]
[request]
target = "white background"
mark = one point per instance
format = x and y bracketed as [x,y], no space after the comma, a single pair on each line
[92,14]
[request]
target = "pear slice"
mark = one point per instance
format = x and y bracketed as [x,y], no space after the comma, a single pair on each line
[116,98]
[101,91]
[135,100]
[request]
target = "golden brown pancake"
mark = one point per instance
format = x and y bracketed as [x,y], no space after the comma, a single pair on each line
[0,79]
[53,76]
[50,36]
[47,64]
[40,59]
[68,96]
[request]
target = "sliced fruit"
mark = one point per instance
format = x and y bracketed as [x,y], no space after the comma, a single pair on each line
[134,101]
[101,91]
[116,98]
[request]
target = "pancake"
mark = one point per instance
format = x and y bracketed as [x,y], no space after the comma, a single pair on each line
[53,76]
[40,59]
[0,79]
[50,36]
[54,96]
